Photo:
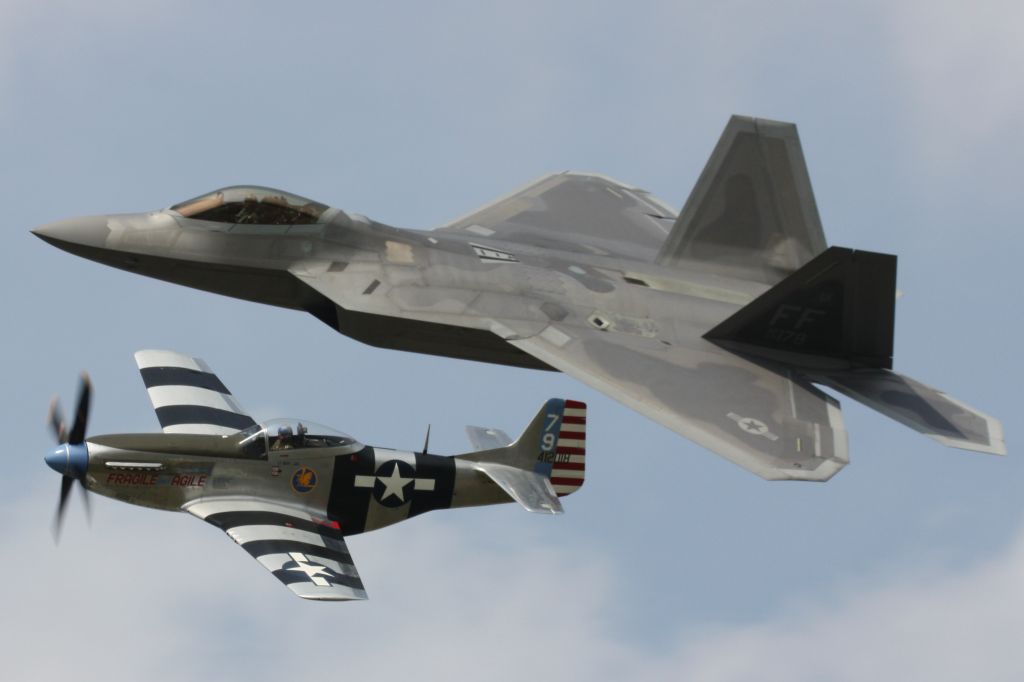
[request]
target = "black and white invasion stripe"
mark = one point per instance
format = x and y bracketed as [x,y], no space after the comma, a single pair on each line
[307,554]
[187,396]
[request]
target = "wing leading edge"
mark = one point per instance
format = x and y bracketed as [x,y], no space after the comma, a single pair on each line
[574,211]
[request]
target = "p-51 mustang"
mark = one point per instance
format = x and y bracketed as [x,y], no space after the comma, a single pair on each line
[289,491]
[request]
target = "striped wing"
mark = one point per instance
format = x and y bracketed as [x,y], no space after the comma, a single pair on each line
[306,553]
[187,396]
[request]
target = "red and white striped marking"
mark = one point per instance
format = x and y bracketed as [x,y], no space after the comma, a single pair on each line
[567,476]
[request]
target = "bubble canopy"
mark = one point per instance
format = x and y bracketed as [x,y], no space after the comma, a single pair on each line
[252,205]
[293,434]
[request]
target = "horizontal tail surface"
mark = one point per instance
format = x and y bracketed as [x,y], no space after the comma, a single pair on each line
[922,408]
[487,439]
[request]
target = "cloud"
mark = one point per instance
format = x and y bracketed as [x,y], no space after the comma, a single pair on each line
[925,624]
[160,596]
[959,65]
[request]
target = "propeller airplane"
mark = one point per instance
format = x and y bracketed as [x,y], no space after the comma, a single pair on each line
[290,492]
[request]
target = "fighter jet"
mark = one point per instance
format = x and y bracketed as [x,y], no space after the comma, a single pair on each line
[290,491]
[720,322]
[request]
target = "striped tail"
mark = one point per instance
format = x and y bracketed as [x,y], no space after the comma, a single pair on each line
[563,445]
[546,461]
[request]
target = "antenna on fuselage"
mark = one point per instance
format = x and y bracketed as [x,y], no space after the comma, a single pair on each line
[426,443]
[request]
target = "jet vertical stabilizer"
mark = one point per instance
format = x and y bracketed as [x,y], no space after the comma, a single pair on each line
[752,207]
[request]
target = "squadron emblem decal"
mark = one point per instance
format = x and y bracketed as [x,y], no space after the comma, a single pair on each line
[304,480]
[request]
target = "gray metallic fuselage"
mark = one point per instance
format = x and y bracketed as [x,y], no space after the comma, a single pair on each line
[425,292]
[719,322]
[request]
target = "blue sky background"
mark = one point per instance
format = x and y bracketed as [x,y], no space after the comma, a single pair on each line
[671,562]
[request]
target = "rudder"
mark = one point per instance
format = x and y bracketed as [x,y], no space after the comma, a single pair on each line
[563,445]
[752,207]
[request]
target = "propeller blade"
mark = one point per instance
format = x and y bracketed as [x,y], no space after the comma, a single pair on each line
[65,491]
[56,420]
[85,501]
[77,434]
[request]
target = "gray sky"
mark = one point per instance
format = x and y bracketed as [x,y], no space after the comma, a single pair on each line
[670,562]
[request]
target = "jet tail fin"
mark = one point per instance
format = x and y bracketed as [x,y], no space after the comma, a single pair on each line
[922,408]
[546,462]
[837,311]
[752,207]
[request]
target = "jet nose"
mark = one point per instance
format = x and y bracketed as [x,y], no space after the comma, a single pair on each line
[69,460]
[88,231]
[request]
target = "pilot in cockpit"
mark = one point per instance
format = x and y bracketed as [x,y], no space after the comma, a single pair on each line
[284,439]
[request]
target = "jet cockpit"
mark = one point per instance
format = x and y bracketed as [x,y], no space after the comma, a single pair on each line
[252,205]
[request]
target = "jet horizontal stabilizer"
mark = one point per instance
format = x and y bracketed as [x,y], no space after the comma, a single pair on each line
[922,408]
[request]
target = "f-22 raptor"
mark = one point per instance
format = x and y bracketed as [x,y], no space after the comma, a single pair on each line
[719,322]
[289,491]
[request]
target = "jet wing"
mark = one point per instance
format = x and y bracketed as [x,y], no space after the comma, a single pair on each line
[305,553]
[187,396]
[773,423]
[575,211]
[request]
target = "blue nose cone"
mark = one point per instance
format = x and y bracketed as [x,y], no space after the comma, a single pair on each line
[69,460]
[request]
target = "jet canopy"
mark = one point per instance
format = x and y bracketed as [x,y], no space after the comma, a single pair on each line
[293,434]
[252,205]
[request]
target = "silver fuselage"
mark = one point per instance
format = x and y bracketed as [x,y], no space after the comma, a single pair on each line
[426,292]
[347,486]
